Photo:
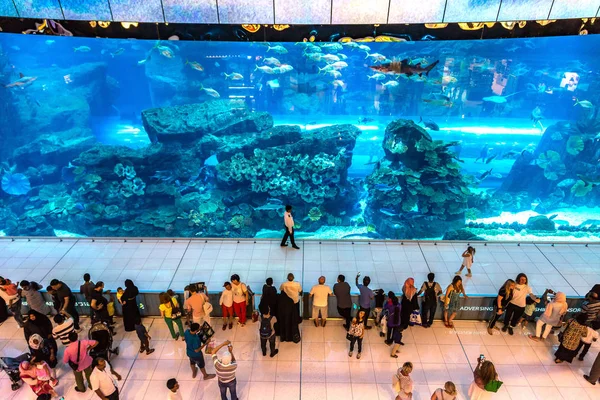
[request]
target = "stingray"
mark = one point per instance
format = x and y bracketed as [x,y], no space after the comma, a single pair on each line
[499,99]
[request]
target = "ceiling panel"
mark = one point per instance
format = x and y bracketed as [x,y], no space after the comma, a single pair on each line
[574,9]
[416,11]
[7,9]
[86,10]
[246,11]
[520,10]
[137,10]
[302,13]
[39,9]
[360,11]
[191,11]
[466,10]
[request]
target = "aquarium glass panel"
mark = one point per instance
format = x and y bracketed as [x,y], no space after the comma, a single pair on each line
[39,9]
[520,10]
[360,12]
[574,9]
[7,9]
[137,10]
[466,140]
[299,12]
[471,10]
[191,11]
[86,10]
[246,11]
[416,11]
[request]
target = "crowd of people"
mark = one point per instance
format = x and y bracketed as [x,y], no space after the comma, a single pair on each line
[278,316]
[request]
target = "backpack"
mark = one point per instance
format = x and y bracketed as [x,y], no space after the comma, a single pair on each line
[430,295]
[265,327]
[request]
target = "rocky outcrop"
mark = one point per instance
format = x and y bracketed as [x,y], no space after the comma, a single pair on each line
[417,189]
[191,122]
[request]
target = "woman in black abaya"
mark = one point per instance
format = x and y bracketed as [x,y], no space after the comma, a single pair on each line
[287,319]
[131,312]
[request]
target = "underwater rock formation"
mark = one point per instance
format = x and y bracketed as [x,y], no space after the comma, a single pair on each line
[191,122]
[563,170]
[540,223]
[417,189]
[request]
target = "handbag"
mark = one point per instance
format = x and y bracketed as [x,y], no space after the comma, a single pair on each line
[175,311]
[349,336]
[493,386]
[415,318]
[208,308]
[75,365]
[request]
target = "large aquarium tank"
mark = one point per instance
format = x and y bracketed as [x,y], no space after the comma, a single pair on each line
[466,140]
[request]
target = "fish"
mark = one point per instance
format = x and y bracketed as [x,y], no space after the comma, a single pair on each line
[429,124]
[391,84]
[165,51]
[80,206]
[118,52]
[274,201]
[490,159]
[22,82]
[335,74]
[376,56]
[332,47]
[446,80]
[438,102]
[279,49]
[269,207]
[327,68]
[404,68]
[50,42]
[365,119]
[377,77]
[388,211]
[234,76]
[273,84]
[499,99]
[316,57]
[342,57]
[338,82]
[272,61]
[283,69]
[330,58]
[513,48]
[194,65]
[485,174]
[217,64]
[364,47]
[82,49]
[265,69]
[483,153]
[583,103]
[382,187]
[339,64]
[210,92]
[145,60]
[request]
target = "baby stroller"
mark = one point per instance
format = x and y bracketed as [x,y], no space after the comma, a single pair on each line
[11,367]
[101,333]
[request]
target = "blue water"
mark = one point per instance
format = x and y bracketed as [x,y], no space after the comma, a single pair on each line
[74,121]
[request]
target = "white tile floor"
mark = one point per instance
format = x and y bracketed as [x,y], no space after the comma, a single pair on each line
[158,265]
[319,368]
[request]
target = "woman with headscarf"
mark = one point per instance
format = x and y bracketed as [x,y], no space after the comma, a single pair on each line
[269,297]
[551,317]
[287,319]
[28,372]
[37,323]
[409,302]
[569,342]
[131,312]
[41,350]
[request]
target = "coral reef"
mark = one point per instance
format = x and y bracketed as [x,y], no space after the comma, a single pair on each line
[417,190]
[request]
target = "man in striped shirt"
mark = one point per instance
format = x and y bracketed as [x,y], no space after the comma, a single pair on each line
[226,367]
[64,326]
[591,308]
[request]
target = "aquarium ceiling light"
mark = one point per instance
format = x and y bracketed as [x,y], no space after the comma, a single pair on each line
[488,130]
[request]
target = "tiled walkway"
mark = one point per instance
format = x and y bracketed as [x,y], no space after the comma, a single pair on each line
[158,265]
[319,368]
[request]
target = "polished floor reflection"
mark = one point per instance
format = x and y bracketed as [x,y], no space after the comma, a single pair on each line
[162,264]
[319,368]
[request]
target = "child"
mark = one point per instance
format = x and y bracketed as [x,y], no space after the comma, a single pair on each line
[447,393]
[530,305]
[226,302]
[44,374]
[357,332]
[467,261]
[267,331]
[120,292]
[142,334]
[174,393]
[402,383]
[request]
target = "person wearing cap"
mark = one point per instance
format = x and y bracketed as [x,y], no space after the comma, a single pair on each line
[174,392]
[226,302]
[225,366]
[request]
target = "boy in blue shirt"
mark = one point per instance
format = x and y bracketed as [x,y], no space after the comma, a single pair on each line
[194,348]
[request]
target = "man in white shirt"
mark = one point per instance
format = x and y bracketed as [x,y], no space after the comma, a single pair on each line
[102,380]
[320,294]
[288,221]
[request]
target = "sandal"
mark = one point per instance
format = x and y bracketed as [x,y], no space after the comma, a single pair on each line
[557,361]
[394,356]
